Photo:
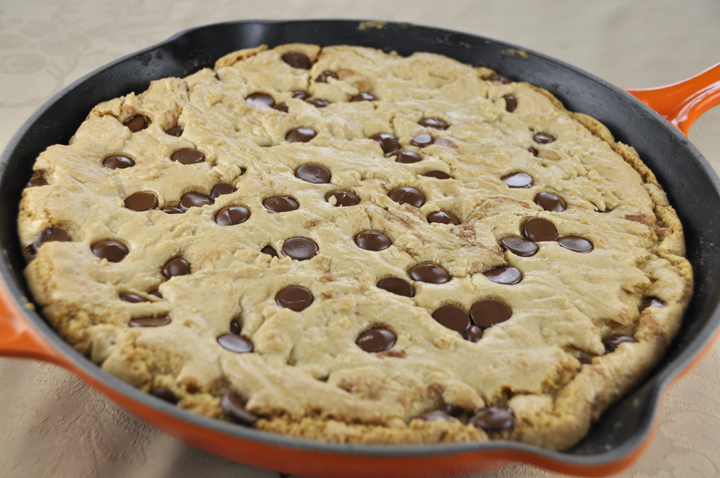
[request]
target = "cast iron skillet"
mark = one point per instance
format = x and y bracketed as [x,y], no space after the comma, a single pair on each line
[611,445]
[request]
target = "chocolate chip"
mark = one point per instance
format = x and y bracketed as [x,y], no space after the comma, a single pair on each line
[518,180]
[429,272]
[550,202]
[150,321]
[538,229]
[473,333]
[498,78]
[313,173]
[437,175]
[300,135]
[510,103]
[407,195]
[235,327]
[519,246]
[280,204]
[318,102]
[236,343]
[191,199]
[141,201]
[507,275]
[543,138]
[260,99]
[387,142]
[378,339]
[164,394]
[297,60]
[51,234]
[614,341]
[363,97]
[443,217]
[422,140]
[576,244]
[131,297]
[372,241]
[221,189]
[397,285]
[322,77]
[435,415]
[488,312]
[232,215]
[36,182]
[436,123]
[187,156]
[584,360]
[176,267]
[118,161]
[452,317]
[269,251]
[174,131]
[651,302]
[494,419]
[136,123]
[407,157]
[281,107]
[173,210]
[342,198]
[113,251]
[533,151]
[234,407]
[299,248]
[301,94]
[294,297]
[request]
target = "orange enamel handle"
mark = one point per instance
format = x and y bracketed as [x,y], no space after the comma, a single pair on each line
[683,102]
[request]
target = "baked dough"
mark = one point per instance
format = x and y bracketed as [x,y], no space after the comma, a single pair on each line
[243,242]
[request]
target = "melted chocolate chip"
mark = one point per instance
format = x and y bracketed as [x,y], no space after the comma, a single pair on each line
[519,246]
[118,161]
[550,202]
[187,156]
[407,195]
[280,204]
[260,99]
[488,312]
[387,142]
[538,229]
[576,244]
[494,419]
[236,343]
[191,199]
[173,210]
[221,189]
[322,77]
[141,201]
[429,272]
[363,97]
[297,60]
[342,198]
[234,407]
[436,123]
[174,131]
[36,182]
[437,175]
[498,78]
[299,248]
[614,341]
[150,321]
[543,138]
[232,215]
[136,123]
[533,151]
[281,107]
[313,173]
[301,94]
[397,285]
[507,275]
[131,297]
[435,415]
[422,140]
[407,157]
[294,297]
[235,327]
[510,103]
[176,267]
[269,251]
[372,241]
[113,251]
[651,302]
[164,394]
[443,217]
[378,339]
[300,135]
[473,333]
[51,234]
[318,102]
[518,180]
[452,317]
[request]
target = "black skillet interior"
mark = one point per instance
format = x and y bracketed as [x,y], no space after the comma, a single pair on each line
[691,184]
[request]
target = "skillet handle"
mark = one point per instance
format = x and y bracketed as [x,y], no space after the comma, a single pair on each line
[683,102]
[19,339]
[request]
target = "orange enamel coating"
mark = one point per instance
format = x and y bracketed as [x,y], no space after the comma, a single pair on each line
[684,102]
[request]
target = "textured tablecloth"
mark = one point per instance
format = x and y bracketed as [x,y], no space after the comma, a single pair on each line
[52,424]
